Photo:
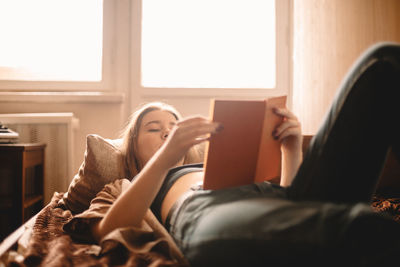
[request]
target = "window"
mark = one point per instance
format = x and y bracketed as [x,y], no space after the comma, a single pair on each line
[41,41]
[208,43]
[203,45]
[56,44]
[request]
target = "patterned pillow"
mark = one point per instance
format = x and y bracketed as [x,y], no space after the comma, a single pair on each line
[103,163]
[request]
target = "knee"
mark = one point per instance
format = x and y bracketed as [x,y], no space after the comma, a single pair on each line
[388,51]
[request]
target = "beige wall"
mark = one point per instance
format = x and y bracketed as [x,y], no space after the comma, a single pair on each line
[94,118]
[328,36]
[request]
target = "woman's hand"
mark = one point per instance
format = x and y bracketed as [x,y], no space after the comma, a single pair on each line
[289,131]
[185,134]
[290,136]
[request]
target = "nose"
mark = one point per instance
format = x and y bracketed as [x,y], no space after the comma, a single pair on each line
[165,134]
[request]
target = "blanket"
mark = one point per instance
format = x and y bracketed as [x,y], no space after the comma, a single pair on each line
[50,245]
[390,206]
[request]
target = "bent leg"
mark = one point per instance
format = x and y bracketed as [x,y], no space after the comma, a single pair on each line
[247,226]
[346,156]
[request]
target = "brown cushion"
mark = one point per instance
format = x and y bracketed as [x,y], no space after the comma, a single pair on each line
[103,163]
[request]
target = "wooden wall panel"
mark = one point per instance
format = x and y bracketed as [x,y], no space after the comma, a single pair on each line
[328,36]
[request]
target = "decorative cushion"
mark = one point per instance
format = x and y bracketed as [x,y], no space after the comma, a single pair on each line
[103,163]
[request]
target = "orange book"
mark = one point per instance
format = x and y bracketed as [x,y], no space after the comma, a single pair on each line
[244,151]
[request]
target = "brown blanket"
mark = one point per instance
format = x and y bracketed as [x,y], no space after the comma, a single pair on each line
[388,205]
[51,246]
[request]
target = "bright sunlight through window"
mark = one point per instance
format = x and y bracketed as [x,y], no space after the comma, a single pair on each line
[51,40]
[208,43]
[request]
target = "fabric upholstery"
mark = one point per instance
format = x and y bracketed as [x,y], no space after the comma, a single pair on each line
[103,163]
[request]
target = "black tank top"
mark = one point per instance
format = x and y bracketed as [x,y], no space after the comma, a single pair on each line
[173,175]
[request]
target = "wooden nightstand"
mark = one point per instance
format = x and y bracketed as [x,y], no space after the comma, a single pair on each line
[21,184]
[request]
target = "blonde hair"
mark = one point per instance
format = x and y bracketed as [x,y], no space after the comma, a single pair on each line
[130,133]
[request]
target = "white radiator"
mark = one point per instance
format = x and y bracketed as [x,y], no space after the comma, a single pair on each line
[56,130]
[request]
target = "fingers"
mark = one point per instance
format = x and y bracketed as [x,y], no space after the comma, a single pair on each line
[194,130]
[185,134]
[198,125]
[284,112]
[289,127]
[291,131]
[286,125]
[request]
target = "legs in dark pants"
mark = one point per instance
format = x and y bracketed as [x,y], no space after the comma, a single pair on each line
[251,226]
[346,156]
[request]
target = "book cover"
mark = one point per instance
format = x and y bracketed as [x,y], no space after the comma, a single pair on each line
[245,151]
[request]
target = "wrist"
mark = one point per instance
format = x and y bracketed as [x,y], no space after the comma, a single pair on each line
[293,146]
[166,159]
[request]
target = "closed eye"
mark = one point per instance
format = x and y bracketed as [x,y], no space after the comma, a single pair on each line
[153,130]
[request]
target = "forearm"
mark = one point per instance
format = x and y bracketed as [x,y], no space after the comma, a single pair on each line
[131,206]
[291,161]
[289,134]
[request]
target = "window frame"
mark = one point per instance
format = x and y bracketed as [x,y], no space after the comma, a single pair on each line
[110,23]
[283,66]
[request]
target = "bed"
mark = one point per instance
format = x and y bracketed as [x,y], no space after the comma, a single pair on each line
[44,241]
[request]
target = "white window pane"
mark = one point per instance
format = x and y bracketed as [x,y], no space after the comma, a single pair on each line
[51,40]
[208,43]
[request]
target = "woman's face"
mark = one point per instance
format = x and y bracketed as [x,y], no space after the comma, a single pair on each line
[154,129]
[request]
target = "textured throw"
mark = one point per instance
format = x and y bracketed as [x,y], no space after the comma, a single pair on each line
[50,246]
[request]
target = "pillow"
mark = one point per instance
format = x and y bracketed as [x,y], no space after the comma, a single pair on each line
[103,163]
